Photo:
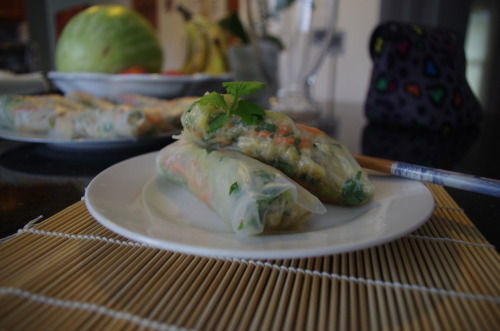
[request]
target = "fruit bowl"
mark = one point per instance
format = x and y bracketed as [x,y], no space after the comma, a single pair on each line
[155,85]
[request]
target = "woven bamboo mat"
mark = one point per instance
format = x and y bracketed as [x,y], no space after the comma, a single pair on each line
[69,272]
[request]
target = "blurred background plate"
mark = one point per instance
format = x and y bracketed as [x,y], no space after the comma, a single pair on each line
[155,85]
[131,143]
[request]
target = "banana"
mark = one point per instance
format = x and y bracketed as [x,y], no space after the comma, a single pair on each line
[217,62]
[197,44]
[197,49]
[206,50]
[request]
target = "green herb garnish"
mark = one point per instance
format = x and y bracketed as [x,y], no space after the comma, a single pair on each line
[250,112]
[296,142]
[352,191]
[233,187]
[264,175]
[217,121]
[269,127]
[265,203]
[283,165]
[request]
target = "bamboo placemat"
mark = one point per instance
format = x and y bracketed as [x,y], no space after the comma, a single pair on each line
[69,272]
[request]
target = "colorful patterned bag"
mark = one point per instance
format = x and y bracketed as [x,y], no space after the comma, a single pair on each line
[418,79]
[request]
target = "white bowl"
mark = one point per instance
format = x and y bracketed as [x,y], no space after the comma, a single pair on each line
[155,85]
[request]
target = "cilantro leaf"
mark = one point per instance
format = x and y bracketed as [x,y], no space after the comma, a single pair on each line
[250,112]
[214,99]
[269,127]
[242,88]
[216,122]
[234,187]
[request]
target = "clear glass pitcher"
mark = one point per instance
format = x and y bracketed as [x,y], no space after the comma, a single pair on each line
[304,28]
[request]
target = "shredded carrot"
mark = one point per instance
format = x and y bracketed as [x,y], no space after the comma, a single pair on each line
[203,196]
[196,164]
[199,189]
[305,143]
[284,140]
[177,168]
[263,133]
[310,129]
[283,130]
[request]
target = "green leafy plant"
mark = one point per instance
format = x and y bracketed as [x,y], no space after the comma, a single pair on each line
[250,112]
[233,25]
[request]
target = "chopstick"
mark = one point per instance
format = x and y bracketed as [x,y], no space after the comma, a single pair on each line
[431,175]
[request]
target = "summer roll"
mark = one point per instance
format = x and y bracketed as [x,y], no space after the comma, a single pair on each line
[34,113]
[119,121]
[165,112]
[313,159]
[248,195]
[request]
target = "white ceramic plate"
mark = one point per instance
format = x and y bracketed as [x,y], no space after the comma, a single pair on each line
[85,143]
[155,85]
[130,199]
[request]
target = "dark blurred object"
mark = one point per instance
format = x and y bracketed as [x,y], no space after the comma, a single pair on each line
[148,9]
[18,57]
[11,11]
[45,161]
[441,150]
[232,25]
[14,55]
[211,84]
[418,79]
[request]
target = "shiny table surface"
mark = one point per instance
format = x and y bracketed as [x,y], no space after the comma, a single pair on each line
[38,179]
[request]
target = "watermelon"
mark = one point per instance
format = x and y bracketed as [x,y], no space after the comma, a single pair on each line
[108,39]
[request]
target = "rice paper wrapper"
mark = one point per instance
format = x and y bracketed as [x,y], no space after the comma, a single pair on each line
[309,156]
[247,194]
